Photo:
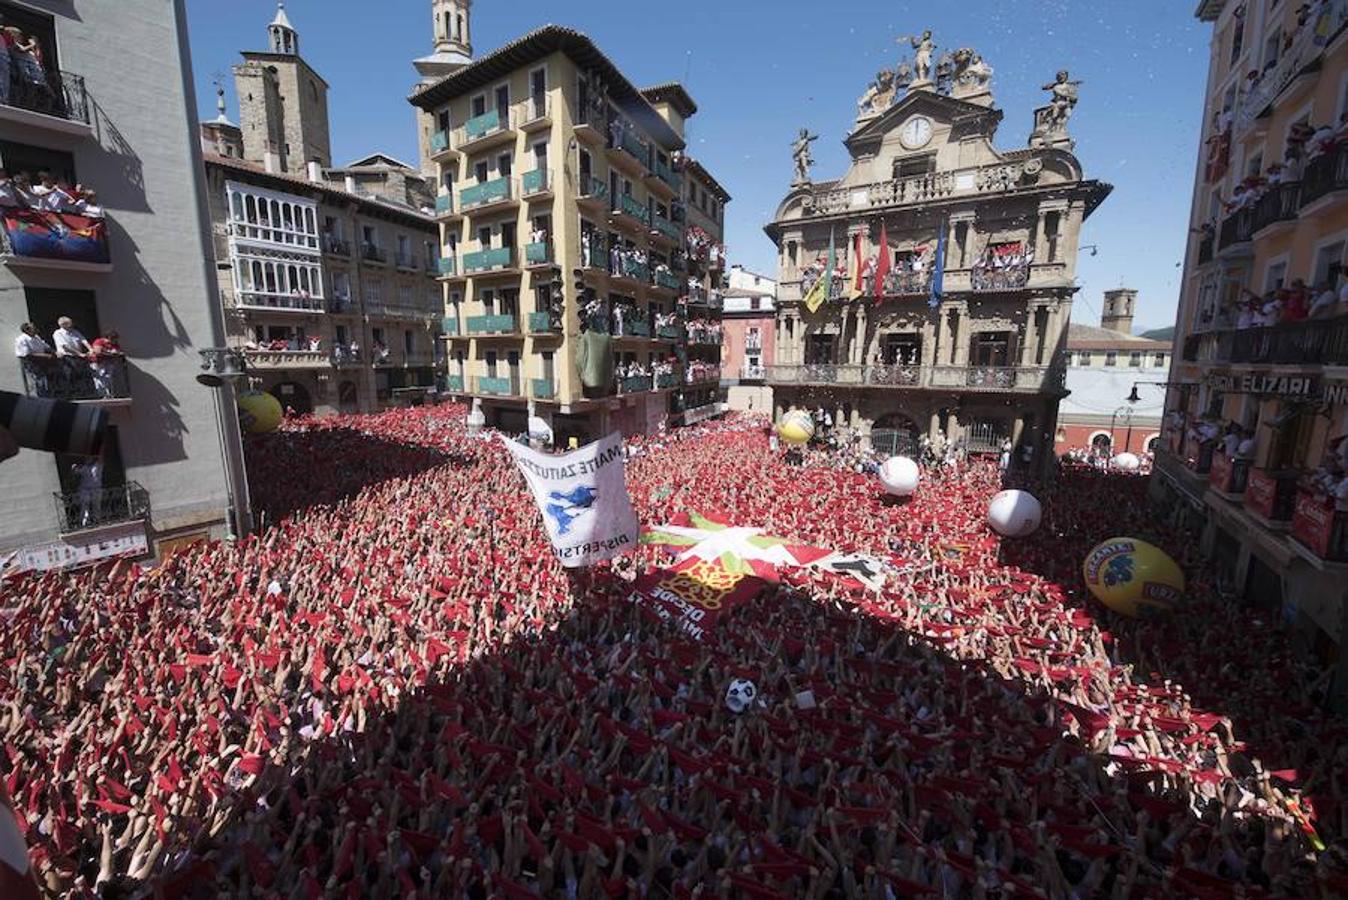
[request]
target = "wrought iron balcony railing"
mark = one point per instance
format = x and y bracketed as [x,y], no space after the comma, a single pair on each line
[95,507]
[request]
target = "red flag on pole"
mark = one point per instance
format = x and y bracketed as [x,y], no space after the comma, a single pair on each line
[882,263]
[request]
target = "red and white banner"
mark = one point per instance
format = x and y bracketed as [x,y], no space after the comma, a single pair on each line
[694,594]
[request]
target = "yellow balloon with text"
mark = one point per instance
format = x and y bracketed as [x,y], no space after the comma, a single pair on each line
[259,412]
[796,427]
[1133,578]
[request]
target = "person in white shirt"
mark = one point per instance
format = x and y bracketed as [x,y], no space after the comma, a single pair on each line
[35,357]
[68,341]
[1245,449]
[1325,303]
[87,204]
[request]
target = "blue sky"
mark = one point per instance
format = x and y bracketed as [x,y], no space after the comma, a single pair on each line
[760,70]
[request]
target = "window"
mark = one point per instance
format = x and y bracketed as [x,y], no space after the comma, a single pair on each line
[1111,358]
[407,341]
[503,165]
[341,285]
[405,296]
[1159,361]
[755,303]
[488,298]
[548,366]
[340,333]
[1325,257]
[1237,38]
[1275,275]
[491,363]
[1135,359]
[1272,45]
[373,290]
[991,348]
[479,104]
[911,166]
[377,335]
[481,170]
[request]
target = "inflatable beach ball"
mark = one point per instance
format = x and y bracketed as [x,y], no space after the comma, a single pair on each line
[796,427]
[1014,513]
[259,412]
[1133,578]
[1126,462]
[899,475]
[740,695]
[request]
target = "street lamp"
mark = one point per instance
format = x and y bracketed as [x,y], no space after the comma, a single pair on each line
[1127,412]
[221,369]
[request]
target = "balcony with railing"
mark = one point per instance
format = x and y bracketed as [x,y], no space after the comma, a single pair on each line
[536,183]
[1280,203]
[1321,342]
[1324,175]
[1228,475]
[371,253]
[630,143]
[289,303]
[56,101]
[287,359]
[701,374]
[999,278]
[534,112]
[446,267]
[493,323]
[666,280]
[1316,521]
[444,206]
[670,332]
[1019,379]
[406,260]
[494,258]
[542,388]
[634,384]
[918,189]
[89,508]
[665,172]
[591,191]
[542,322]
[1271,495]
[498,386]
[593,254]
[667,229]
[489,128]
[1236,229]
[450,325]
[1205,248]
[632,208]
[439,143]
[485,195]
[454,384]
[538,253]
[1303,50]
[335,246]
[624,266]
[753,373]
[102,381]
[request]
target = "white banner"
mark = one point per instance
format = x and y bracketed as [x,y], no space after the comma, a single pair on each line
[583,498]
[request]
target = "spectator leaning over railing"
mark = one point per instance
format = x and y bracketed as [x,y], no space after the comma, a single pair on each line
[105,361]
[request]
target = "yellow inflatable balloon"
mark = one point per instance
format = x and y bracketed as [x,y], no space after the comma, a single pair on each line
[259,412]
[796,427]
[1133,578]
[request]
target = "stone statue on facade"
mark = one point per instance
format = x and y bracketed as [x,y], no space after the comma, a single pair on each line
[879,95]
[970,76]
[1062,101]
[800,155]
[1050,122]
[924,48]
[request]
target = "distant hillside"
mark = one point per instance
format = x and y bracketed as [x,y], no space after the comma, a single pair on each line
[1160,334]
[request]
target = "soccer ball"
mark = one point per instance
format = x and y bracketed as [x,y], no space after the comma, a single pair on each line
[740,695]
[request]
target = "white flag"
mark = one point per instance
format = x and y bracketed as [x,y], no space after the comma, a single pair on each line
[583,498]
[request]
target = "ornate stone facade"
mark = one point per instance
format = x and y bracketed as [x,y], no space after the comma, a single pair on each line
[976,351]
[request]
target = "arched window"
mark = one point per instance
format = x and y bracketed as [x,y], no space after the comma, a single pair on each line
[236,206]
[462,36]
[250,207]
[1101,442]
[895,434]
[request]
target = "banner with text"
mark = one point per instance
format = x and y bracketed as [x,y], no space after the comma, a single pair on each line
[583,498]
[694,594]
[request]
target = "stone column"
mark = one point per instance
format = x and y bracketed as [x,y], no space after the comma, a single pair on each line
[1029,336]
[961,339]
[857,351]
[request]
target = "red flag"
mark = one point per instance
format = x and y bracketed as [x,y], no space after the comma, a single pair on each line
[882,262]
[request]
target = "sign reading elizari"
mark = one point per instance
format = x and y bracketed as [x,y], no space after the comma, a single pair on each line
[583,499]
[1275,385]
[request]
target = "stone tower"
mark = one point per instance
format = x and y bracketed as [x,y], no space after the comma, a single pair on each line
[1118,312]
[452,28]
[283,103]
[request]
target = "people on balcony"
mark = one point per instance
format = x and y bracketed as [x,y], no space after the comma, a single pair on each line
[703,331]
[105,361]
[36,358]
[21,67]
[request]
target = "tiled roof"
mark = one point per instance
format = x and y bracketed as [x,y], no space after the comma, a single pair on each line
[534,46]
[674,94]
[1092,337]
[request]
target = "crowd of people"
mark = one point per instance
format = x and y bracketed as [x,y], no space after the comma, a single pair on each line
[71,367]
[393,690]
[704,331]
